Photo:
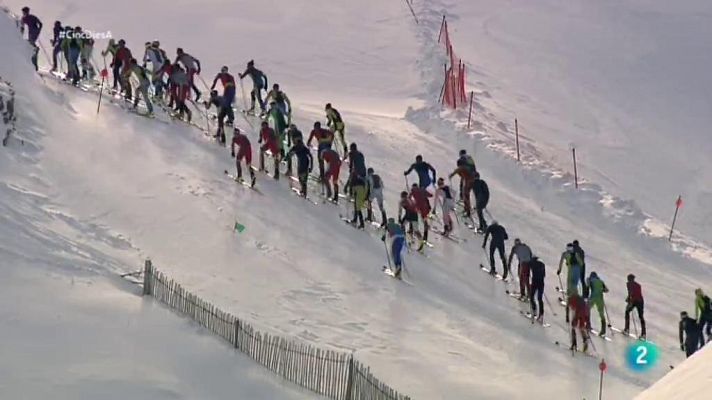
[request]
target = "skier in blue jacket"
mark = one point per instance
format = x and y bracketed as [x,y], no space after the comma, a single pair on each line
[423,169]
[394,231]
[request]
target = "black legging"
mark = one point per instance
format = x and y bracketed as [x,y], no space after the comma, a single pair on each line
[639,306]
[500,248]
[538,290]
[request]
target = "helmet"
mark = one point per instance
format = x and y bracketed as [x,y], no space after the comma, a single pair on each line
[441,181]
[631,277]
[353,147]
[494,222]
[317,125]
[122,42]
[414,185]
[275,86]
[156,43]
[418,158]
[477,175]
[25,10]
[224,68]
[236,130]
[404,194]
[251,63]
[575,242]
[264,123]
[369,170]
[179,50]
[147,44]
[57,23]
[463,152]
[328,106]
[391,220]
[517,241]
[213,93]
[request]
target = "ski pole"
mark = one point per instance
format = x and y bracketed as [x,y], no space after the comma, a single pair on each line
[561,285]
[549,304]
[635,325]
[610,326]
[244,97]
[388,256]
[406,183]
[101,90]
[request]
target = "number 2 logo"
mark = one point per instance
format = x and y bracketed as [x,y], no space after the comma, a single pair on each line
[642,354]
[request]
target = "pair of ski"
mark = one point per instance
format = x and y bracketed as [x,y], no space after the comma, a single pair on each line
[242,182]
[487,271]
[389,271]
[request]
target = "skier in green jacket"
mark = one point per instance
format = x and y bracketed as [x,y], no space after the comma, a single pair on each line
[597,289]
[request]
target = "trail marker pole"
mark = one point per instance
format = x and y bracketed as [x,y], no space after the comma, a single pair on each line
[469,116]
[678,204]
[573,152]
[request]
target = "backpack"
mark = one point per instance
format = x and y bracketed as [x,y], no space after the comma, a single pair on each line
[377,183]
[706,306]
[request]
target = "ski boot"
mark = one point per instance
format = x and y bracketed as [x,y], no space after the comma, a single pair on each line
[397,273]
[252,179]
[585,345]
[421,247]
[493,272]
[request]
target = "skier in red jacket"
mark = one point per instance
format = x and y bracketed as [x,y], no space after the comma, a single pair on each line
[634,300]
[333,160]
[269,137]
[579,321]
[420,197]
[123,58]
[242,142]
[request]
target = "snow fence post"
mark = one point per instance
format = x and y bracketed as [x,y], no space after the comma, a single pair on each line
[678,204]
[237,333]
[147,277]
[516,136]
[350,381]
[573,151]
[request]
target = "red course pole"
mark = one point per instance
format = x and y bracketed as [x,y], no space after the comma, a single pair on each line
[516,136]
[104,74]
[678,204]
[469,116]
[602,366]
[442,24]
[573,150]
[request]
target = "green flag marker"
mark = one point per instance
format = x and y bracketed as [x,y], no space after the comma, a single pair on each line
[239,227]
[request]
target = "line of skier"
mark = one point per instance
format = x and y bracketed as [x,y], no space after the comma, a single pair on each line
[283,140]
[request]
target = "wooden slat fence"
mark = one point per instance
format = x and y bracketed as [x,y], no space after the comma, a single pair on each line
[335,375]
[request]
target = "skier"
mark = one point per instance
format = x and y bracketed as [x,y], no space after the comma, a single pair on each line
[375,192]
[573,271]
[192,67]
[467,180]
[143,83]
[397,236]
[579,321]
[538,272]
[689,334]
[482,195]
[293,133]
[157,57]
[634,300]
[279,120]
[259,82]
[333,160]
[123,58]
[115,64]
[228,96]
[598,288]
[57,33]
[336,124]
[34,26]
[305,164]
[324,138]
[499,235]
[219,102]
[72,47]
[466,160]
[241,140]
[357,165]
[444,197]
[703,315]
[524,256]
[422,168]
[281,99]
[420,198]
[86,48]
[269,137]
[409,213]
[582,256]
[180,88]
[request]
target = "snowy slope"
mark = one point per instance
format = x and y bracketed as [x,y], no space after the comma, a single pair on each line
[625,82]
[297,269]
[71,328]
[690,380]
